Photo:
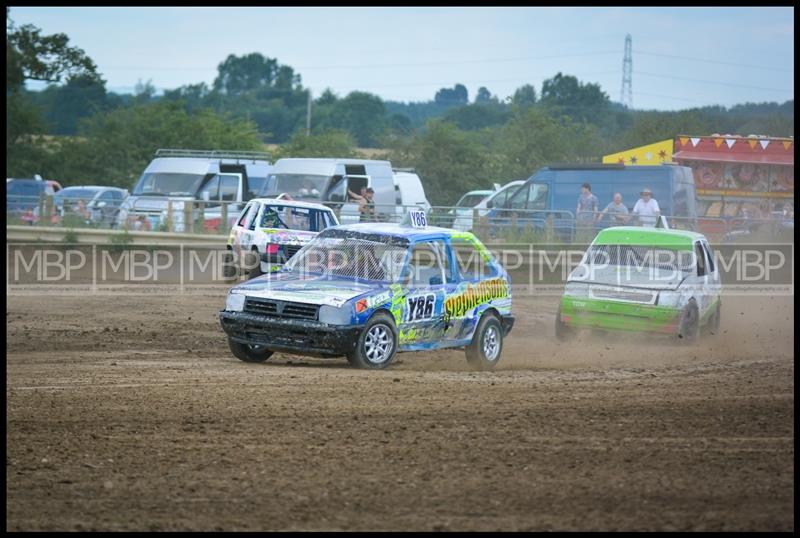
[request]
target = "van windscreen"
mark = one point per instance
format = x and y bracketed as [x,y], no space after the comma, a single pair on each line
[299,186]
[168,184]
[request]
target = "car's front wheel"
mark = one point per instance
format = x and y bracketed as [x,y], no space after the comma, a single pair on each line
[563,331]
[249,352]
[377,344]
[255,260]
[487,343]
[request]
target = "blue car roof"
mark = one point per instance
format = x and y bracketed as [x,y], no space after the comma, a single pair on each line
[412,234]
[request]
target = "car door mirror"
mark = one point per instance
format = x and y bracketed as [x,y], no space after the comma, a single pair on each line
[101,205]
[490,204]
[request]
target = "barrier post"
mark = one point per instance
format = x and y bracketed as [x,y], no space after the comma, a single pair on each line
[170,227]
[202,215]
[187,217]
[548,228]
[41,209]
[46,217]
[223,224]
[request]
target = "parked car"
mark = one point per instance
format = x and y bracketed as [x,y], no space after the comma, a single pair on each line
[175,177]
[272,231]
[643,280]
[99,207]
[369,290]
[498,198]
[462,213]
[552,193]
[24,195]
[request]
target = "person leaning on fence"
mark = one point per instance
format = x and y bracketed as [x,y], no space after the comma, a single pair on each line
[647,209]
[366,206]
[616,209]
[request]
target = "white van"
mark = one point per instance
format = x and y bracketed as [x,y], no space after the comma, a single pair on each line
[328,180]
[408,192]
[176,176]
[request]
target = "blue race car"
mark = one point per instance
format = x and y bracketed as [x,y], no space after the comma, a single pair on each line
[367,291]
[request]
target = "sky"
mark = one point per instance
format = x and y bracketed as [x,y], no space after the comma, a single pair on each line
[682,57]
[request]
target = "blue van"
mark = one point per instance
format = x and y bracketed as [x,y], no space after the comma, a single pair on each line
[552,192]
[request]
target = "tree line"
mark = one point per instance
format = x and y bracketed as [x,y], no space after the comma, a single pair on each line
[78,132]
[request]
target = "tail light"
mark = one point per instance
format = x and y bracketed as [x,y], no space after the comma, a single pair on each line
[271,248]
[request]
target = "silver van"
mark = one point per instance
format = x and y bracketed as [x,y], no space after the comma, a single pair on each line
[328,180]
[177,176]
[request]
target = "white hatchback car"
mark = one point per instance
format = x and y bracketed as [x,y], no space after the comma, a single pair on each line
[269,231]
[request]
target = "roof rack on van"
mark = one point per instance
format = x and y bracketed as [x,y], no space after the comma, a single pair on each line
[409,170]
[582,166]
[215,154]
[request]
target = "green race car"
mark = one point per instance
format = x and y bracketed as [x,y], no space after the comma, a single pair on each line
[643,279]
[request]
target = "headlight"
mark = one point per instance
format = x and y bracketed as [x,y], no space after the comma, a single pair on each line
[335,315]
[576,289]
[669,298]
[235,302]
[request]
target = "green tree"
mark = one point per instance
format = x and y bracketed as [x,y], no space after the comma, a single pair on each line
[568,96]
[533,138]
[33,56]
[240,74]
[329,143]
[484,96]
[478,116]
[524,96]
[448,160]
[116,146]
[452,96]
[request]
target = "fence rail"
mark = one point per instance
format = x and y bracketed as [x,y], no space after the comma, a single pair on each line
[495,225]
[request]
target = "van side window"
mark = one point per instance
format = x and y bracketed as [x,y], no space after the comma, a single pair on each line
[537,197]
[701,259]
[212,188]
[229,187]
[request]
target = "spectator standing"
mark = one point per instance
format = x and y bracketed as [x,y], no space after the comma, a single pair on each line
[647,209]
[616,209]
[585,213]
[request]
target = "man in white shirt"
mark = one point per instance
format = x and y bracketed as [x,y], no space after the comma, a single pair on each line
[647,209]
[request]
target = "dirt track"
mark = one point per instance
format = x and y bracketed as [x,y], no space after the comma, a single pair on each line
[133,415]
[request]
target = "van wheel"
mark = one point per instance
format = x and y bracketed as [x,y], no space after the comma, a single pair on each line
[487,344]
[249,352]
[377,344]
[689,323]
[255,271]
[563,331]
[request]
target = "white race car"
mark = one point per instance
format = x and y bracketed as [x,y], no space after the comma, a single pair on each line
[269,231]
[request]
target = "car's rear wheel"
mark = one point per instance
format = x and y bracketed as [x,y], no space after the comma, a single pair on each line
[714,322]
[563,331]
[377,344]
[689,323]
[487,343]
[229,269]
[249,352]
